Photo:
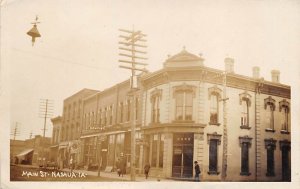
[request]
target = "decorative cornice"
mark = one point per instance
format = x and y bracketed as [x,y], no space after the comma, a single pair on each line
[206,74]
[285,143]
[284,103]
[214,91]
[245,96]
[245,139]
[270,143]
[156,93]
[214,136]
[270,101]
[184,88]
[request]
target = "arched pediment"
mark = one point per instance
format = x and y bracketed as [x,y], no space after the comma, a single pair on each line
[270,101]
[284,103]
[214,91]
[245,96]
[184,88]
[156,93]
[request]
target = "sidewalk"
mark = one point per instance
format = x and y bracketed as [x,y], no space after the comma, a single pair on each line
[114,175]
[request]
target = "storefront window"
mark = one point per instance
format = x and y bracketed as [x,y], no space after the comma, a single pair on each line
[119,144]
[154,151]
[161,150]
[157,151]
[111,150]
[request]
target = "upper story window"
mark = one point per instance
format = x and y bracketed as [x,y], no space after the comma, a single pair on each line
[110,114]
[128,110]
[121,112]
[245,102]
[105,117]
[100,117]
[184,95]
[136,108]
[270,108]
[155,105]
[69,112]
[74,110]
[79,108]
[184,105]
[284,108]
[214,95]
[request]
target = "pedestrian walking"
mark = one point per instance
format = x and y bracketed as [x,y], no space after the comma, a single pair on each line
[71,164]
[146,170]
[123,165]
[197,171]
[118,165]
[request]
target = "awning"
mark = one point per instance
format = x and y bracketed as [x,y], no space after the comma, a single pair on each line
[24,153]
[63,145]
[103,134]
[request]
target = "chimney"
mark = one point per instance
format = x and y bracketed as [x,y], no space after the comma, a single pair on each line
[255,72]
[275,76]
[229,63]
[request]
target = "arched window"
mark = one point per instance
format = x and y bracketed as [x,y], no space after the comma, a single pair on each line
[284,108]
[184,95]
[244,113]
[245,102]
[214,97]
[155,105]
[270,108]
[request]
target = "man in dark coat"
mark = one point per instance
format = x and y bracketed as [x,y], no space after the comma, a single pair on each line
[146,170]
[197,172]
[118,165]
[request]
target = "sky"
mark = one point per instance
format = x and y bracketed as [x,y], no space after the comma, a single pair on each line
[78,47]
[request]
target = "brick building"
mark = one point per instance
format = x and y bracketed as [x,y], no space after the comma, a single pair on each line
[189,112]
[70,130]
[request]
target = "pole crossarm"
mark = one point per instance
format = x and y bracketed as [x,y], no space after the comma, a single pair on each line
[138,69]
[131,50]
[132,44]
[131,62]
[138,57]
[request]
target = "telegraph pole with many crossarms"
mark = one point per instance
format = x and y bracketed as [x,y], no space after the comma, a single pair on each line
[129,47]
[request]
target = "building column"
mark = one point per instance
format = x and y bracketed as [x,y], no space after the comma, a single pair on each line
[168,153]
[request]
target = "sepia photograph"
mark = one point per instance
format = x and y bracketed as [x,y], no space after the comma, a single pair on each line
[176,94]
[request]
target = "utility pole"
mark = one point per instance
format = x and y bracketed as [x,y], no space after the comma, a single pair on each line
[15,131]
[46,111]
[129,46]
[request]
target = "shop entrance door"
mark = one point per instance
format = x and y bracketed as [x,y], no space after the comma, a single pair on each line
[183,155]
[286,174]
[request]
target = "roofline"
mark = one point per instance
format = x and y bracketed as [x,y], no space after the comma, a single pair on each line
[57,118]
[106,90]
[152,74]
[77,93]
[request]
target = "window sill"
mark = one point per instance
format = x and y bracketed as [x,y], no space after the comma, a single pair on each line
[245,127]
[270,130]
[284,132]
[213,172]
[217,124]
[245,174]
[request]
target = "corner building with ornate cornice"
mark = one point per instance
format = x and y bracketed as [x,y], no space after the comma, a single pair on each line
[236,127]
[183,122]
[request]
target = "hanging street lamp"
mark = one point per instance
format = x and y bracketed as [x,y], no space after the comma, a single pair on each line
[34,31]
